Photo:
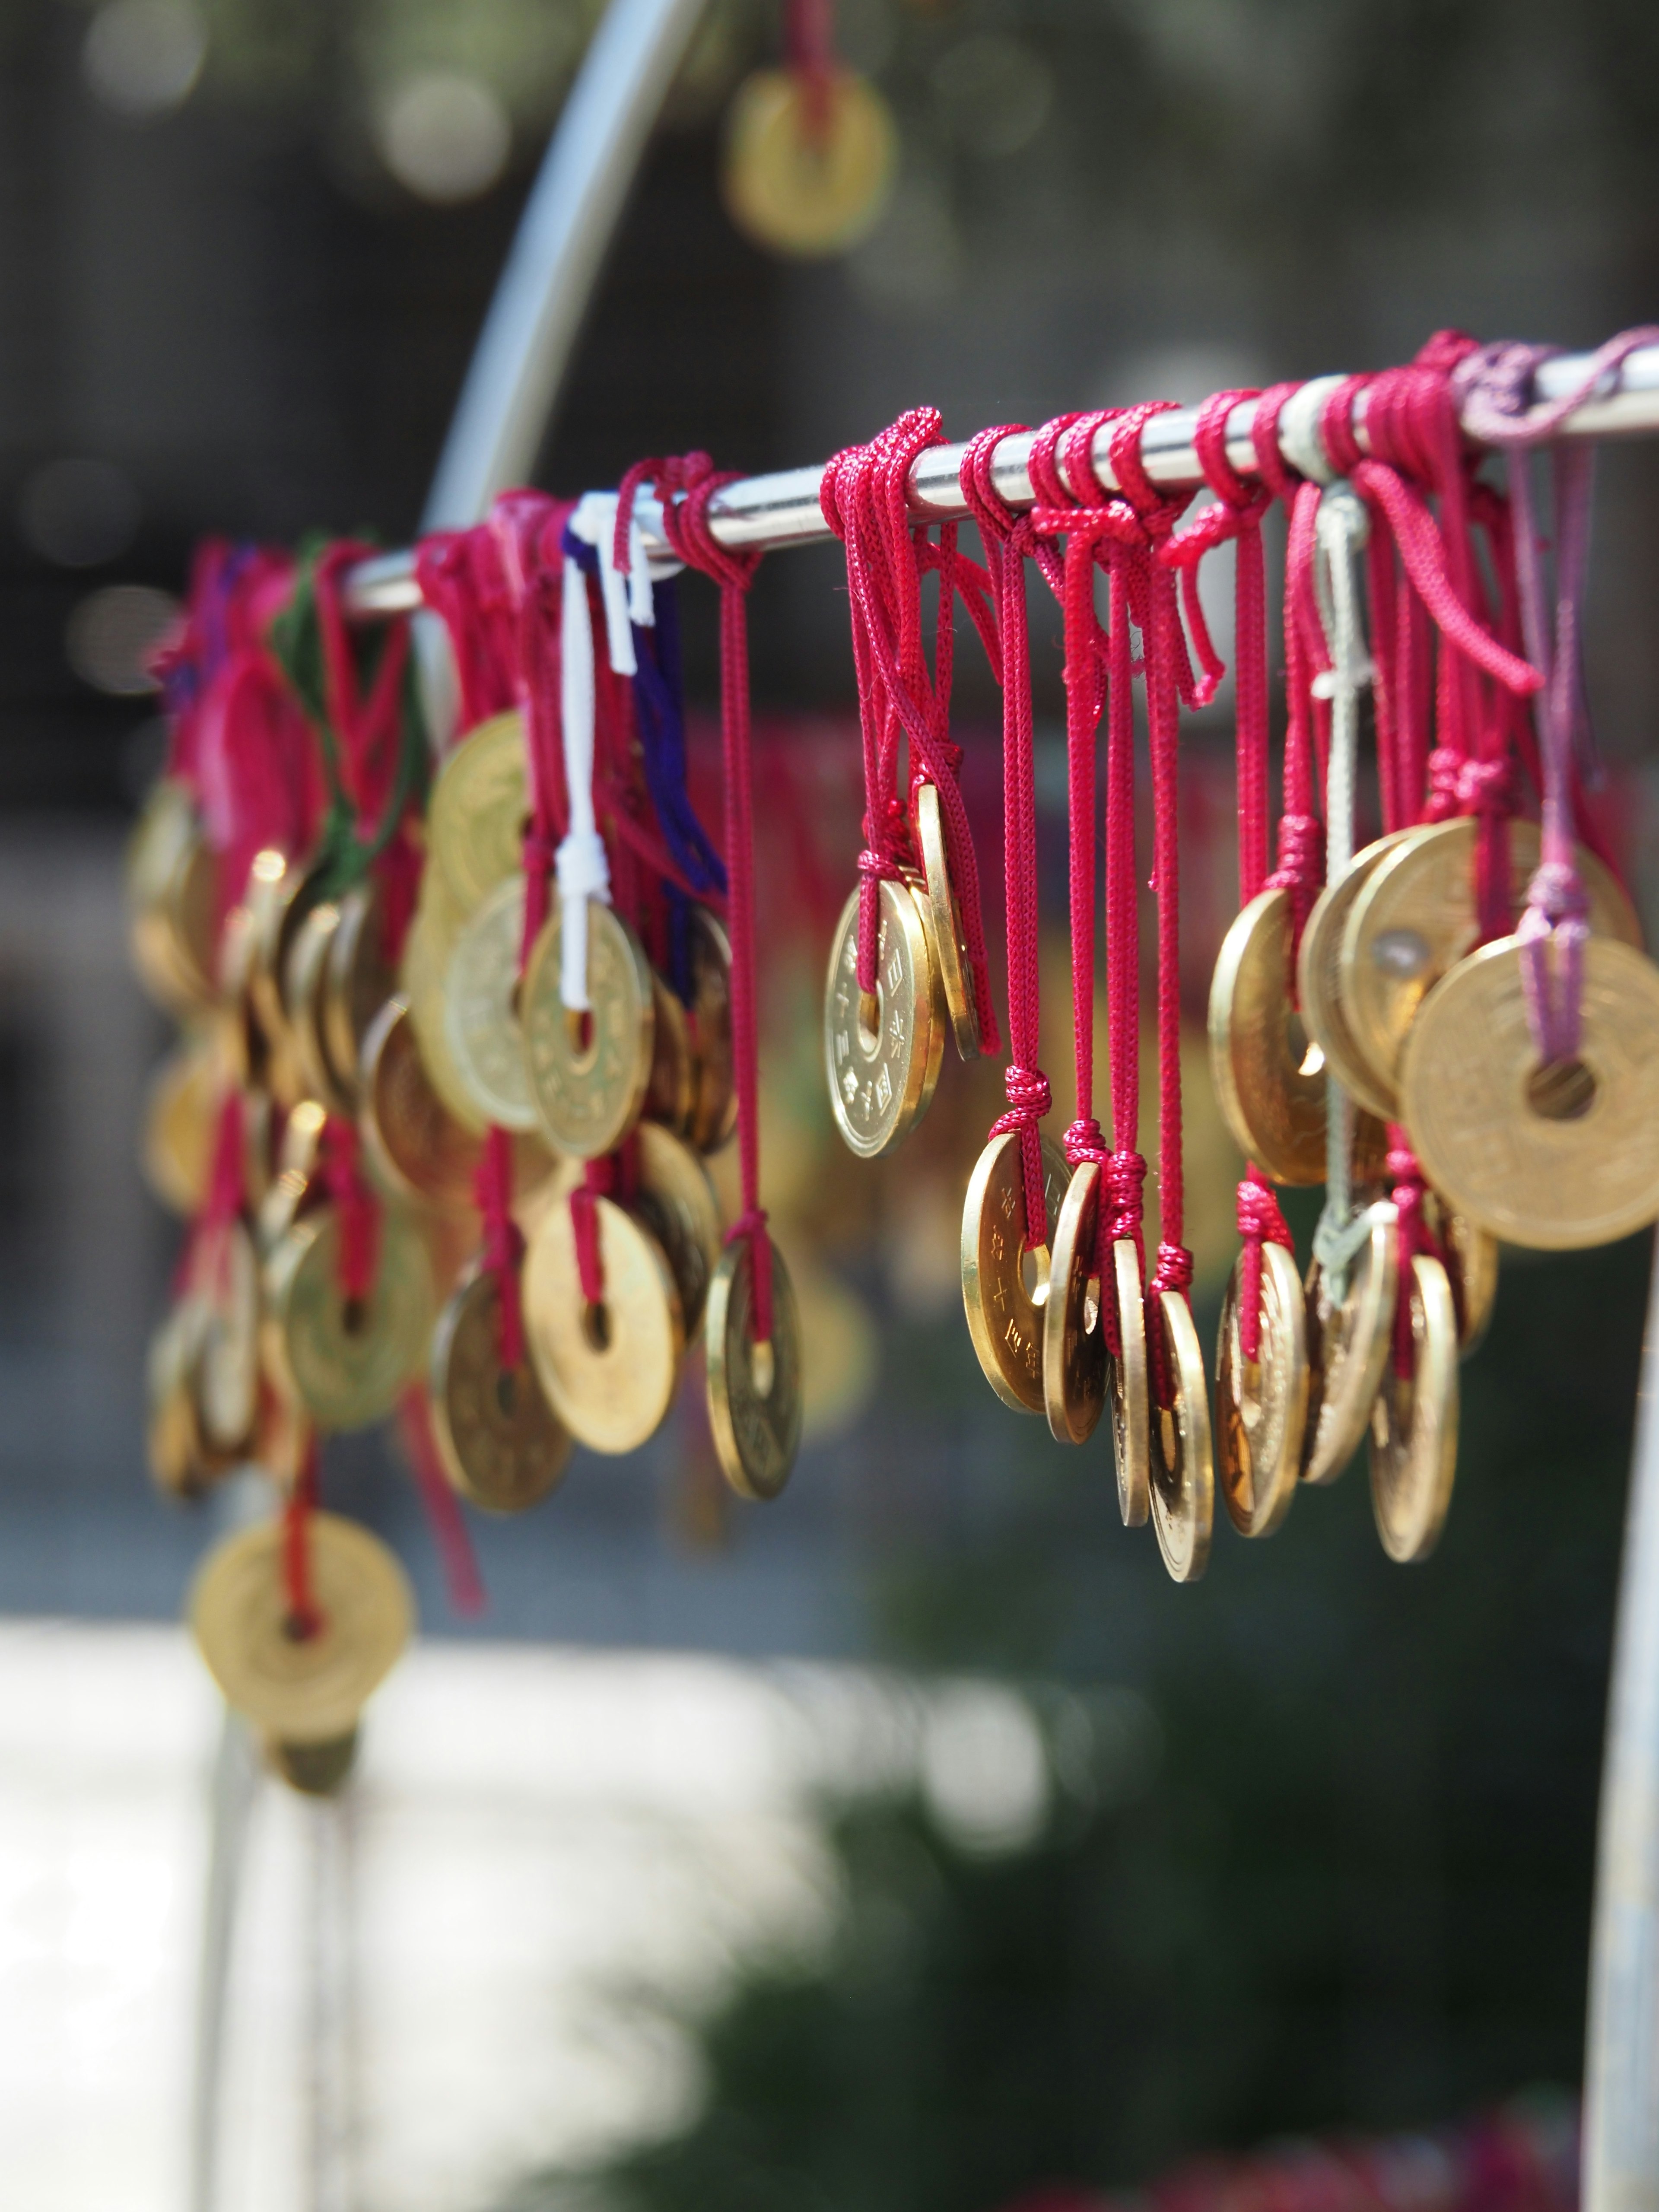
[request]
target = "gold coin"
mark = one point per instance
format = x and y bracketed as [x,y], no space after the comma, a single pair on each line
[181,1123]
[315,1769]
[172,882]
[499,1439]
[1130,1388]
[247,1051]
[476,817]
[1347,1347]
[279,896]
[881,1070]
[227,1374]
[1416,919]
[1004,1288]
[668,1093]
[293,1187]
[1319,973]
[179,1462]
[1553,1158]
[674,1198]
[417,1147]
[258,1147]
[359,981]
[1261,1404]
[801,190]
[608,1369]
[714,1109]
[306,1689]
[1074,1356]
[481,1009]
[426,959]
[755,1396]
[305,975]
[1471,1260]
[1269,1074]
[942,918]
[1183,1467]
[1413,1440]
[588,1079]
[346,1361]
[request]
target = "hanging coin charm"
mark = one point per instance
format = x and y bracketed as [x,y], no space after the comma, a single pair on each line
[1182,1464]
[1347,1347]
[1261,1404]
[481,993]
[1005,1287]
[882,1059]
[415,1146]
[475,818]
[1130,1389]
[1074,1356]
[943,924]
[1319,976]
[590,1073]
[500,1443]
[346,1360]
[808,169]
[1413,1439]
[755,1401]
[609,1367]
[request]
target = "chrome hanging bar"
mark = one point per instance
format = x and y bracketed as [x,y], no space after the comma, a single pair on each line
[782,510]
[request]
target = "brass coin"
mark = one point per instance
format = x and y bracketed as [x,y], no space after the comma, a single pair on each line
[1074,1356]
[676,1201]
[882,1072]
[476,817]
[1470,1260]
[943,919]
[171,884]
[1551,1159]
[1184,1468]
[248,1051]
[481,1009]
[609,1370]
[499,1442]
[417,1147]
[1319,973]
[181,1123]
[279,894]
[310,1689]
[1413,1439]
[227,1376]
[293,1187]
[1005,1289]
[714,1109]
[1269,1074]
[1130,1390]
[315,1769]
[346,1361]
[754,1399]
[1347,1348]
[588,1089]
[1261,1404]
[359,981]
[179,1462]
[258,1147]
[426,959]
[1415,919]
[305,975]
[803,192]
[668,1092]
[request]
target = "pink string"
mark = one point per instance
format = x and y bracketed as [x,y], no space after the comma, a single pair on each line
[526,530]
[463,1583]
[461,577]
[356,1209]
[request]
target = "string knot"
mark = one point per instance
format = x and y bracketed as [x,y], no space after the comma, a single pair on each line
[1301,853]
[1259,1219]
[1486,787]
[1029,1097]
[1557,893]
[1084,1141]
[1174,1271]
[1125,1178]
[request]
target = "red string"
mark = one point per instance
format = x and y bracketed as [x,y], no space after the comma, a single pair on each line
[1008,538]
[809,49]
[367,727]
[356,1209]
[599,1180]
[503,1245]
[304,1619]
[527,530]
[461,579]
[463,1583]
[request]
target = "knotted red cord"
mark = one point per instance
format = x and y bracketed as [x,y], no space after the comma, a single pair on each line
[368,726]
[1008,537]
[462,579]
[599,1180]
[864,497]
[303,1618]
[526,528]
[1235,516]
[1301,867]
[503,1245]
[687,524]
[463,1583]
[356,1209]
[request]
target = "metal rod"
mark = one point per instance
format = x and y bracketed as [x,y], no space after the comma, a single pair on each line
[783,510]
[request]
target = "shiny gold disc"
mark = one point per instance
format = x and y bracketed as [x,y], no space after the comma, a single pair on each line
[180,1462]
[1413,1439]
[668,1093]
[304,978]
[713,1113]
[425,965]
[1130,1390]
[1261,1404]
[417,1147]
[293,1187]
[802,191]
[279,896]
[1319,973]
[499,1441]
[481,1009]
[1183,1467]
[1415,919]
[310,1689]
[1074,1356]
[588,1080]
[228,1378]
[882,1072]
[609,1370]
[1470,1260]
[1347,1347]
[181,1122]
[674,1198]
[1555,1158]
[1004,1288]
[1269,1074]
[475,818]
[172,884]
[346,1361]
[359,981]
[943,919]
[754,1399]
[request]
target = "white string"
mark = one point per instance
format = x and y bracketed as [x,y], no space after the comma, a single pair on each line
[580,869]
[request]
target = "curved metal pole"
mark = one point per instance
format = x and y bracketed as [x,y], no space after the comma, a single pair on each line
[525,346]
[1621,2059]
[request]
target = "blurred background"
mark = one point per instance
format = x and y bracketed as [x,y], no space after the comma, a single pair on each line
[912,1843]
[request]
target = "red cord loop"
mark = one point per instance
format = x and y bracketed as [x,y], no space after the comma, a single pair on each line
[1082,1142]
[1125,1178]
